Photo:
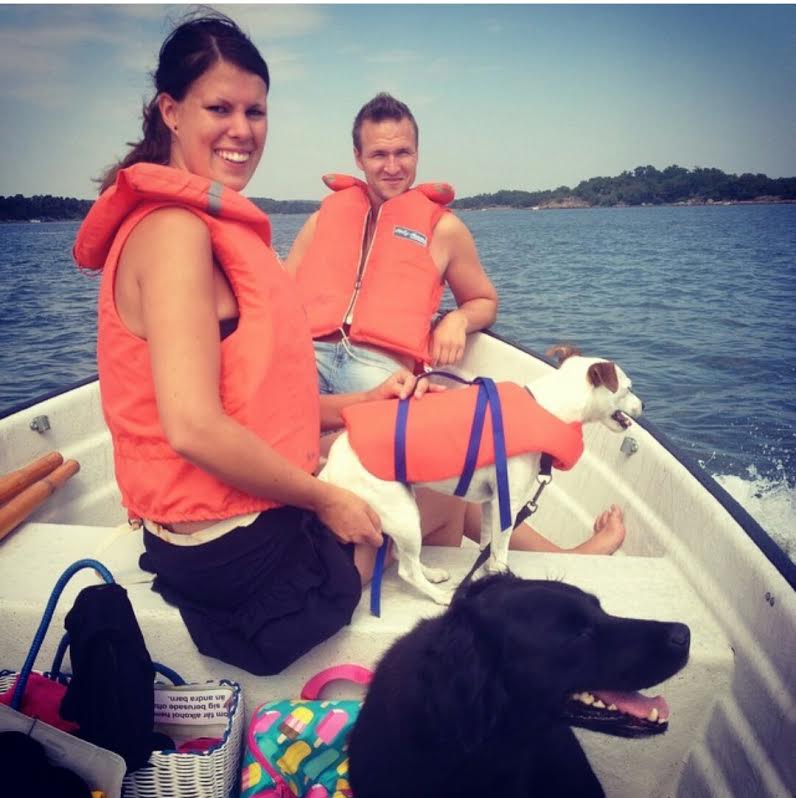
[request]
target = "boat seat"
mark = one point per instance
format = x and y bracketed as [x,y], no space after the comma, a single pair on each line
[32,558]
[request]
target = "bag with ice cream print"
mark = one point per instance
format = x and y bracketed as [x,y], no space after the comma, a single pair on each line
[299,748]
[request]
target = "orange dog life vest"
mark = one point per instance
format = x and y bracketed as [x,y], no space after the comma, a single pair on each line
[390,300]
[438,430]
[268,381]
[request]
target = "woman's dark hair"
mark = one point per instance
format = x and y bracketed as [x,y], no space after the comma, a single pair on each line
[188,52]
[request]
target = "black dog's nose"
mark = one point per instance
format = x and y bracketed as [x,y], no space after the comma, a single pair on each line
[679,635]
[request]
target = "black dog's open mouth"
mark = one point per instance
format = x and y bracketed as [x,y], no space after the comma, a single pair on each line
[618,713]
[621,419]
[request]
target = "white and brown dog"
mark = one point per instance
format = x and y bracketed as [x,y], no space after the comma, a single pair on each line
[581,391]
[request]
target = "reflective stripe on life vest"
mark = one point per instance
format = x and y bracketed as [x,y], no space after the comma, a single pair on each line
[267,380]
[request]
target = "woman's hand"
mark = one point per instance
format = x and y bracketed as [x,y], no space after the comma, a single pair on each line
[401,384]
[351,519]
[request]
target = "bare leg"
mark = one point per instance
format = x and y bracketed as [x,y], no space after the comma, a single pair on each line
[608,533]
[441,517]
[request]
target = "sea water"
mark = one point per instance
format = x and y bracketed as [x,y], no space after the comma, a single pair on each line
[695,303]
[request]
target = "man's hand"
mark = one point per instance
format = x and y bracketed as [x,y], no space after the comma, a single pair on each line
[448,339]
[401,384]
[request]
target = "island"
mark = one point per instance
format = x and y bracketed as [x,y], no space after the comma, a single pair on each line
[644,186]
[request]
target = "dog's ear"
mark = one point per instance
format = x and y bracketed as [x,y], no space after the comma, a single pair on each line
[560,352]
[604,374]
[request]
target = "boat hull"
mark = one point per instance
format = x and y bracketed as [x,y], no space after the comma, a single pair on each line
[691,554]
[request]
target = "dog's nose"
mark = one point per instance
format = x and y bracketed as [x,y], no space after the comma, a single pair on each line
[679,635]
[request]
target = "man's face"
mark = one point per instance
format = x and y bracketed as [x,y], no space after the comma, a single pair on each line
[388,157]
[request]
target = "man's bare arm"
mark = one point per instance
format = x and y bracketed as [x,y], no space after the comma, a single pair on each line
[477,300]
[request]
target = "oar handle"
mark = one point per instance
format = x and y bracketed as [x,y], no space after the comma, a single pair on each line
[20,507]
[15,482]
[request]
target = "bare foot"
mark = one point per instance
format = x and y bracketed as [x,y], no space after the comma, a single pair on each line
[609,531]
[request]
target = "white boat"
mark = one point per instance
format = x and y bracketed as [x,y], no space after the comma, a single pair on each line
[692,554]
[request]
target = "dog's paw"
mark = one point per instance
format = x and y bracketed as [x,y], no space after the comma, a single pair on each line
[442,597]
[495,567]
[435,575]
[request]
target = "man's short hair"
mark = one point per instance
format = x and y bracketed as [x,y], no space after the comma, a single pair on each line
[382,106]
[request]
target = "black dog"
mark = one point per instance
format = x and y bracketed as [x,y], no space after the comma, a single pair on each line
[479,701]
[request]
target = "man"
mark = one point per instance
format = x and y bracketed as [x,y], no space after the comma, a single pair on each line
[371,266]
[370,279]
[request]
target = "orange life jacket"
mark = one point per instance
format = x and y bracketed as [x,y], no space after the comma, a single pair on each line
[392,298]
[438,430]
[268,381]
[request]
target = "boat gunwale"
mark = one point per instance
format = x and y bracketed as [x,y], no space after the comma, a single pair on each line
[758,535]
[764,542]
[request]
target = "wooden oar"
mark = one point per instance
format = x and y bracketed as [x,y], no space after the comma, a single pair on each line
[16,481]
[20,507]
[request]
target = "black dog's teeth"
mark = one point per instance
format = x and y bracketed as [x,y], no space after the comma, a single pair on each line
[588,712]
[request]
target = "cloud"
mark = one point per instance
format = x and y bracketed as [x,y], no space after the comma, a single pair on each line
[265,23]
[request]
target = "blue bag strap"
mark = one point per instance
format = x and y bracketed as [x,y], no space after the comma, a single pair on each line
[63,645]
[170,674]
[38,638]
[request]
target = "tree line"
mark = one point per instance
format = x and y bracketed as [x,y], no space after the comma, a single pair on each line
[47,208]
[645,185]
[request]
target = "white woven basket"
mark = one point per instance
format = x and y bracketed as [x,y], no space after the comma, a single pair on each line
[188,710]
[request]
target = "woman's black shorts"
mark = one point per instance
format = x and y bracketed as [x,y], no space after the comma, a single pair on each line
[262,595]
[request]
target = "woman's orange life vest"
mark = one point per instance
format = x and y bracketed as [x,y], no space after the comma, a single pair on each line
[438,431]
[268,381]
[390,295]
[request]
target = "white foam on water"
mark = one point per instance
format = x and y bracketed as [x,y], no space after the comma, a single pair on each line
[771,502]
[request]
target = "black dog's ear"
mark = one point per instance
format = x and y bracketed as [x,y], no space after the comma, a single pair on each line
[560,352]
[604,374]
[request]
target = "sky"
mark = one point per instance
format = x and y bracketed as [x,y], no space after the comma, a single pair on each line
[506,96]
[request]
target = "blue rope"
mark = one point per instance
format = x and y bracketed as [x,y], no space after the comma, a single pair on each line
[38,638]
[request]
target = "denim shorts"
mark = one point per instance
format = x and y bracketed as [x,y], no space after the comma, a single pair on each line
[344,367]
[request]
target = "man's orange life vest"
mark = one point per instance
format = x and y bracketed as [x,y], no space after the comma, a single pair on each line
[438,430]
[268,381]
[389,295]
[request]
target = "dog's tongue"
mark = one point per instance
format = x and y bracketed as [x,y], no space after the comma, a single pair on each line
[635,704]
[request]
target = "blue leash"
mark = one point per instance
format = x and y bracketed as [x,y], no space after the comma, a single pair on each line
[49,610]
[487,398]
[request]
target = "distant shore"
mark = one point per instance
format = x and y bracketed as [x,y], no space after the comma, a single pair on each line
[644,187]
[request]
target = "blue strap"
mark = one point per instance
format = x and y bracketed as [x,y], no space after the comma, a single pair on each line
[402,416]
[400,439]
[474,444]
[375,582]
[501,460]
[38,638]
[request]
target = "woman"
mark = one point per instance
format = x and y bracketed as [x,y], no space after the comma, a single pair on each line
[207,373]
